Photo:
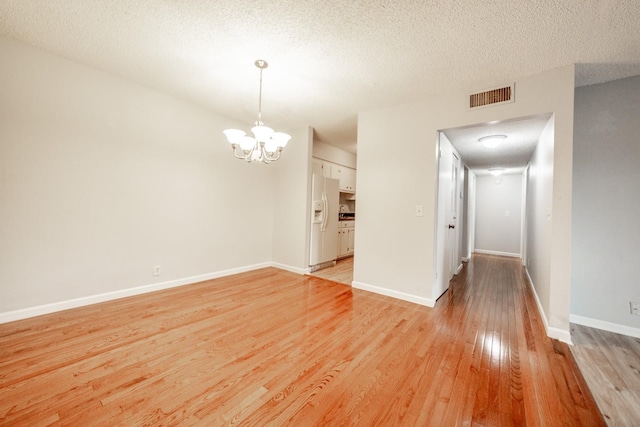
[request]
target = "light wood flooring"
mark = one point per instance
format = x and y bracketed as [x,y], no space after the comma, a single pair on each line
[610,364]
[342,272]
[270,347]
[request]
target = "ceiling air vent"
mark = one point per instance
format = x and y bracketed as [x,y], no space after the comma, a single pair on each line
[492,97]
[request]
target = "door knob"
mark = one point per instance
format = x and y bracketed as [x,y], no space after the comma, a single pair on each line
[452,226]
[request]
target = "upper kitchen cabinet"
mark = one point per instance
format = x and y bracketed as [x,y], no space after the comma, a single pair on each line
[336,163]
[325,166]
[347,177]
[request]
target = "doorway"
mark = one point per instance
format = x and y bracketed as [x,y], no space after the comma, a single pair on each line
[342,272]
[448,215]
[457,186]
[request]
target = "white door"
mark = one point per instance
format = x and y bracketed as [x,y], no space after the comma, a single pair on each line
[454,223]
[443,241]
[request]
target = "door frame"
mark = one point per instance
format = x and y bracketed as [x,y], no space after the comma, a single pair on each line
[443,249]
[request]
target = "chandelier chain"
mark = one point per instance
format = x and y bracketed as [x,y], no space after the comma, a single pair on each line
[260,99]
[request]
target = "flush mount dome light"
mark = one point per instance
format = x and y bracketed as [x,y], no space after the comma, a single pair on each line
[496,171]
[492,141]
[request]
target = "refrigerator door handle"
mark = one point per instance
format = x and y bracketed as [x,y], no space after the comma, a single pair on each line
[326,211]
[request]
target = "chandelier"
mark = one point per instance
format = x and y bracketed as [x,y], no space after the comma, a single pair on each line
[266,145]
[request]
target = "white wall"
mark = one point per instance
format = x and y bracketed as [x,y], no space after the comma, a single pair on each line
[465,254]
[292,203]
[471,213]
[395,248]
[539,216]
[101,179]
[496,232]
[606,206]
[333,154]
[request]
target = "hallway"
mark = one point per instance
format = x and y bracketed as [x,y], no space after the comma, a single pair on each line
[500,354]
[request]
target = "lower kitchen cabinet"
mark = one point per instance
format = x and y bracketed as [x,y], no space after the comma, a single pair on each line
[351,233]
[346,238]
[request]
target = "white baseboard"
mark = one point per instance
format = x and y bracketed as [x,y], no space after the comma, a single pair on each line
[552,332]
[605,326]
[465,259]
[394,294]
[459,269]
[487,252]
[560,335]
[39,310]
[296,270]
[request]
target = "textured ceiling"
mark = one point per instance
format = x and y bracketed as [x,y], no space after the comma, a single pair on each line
[512,154]
[330,59]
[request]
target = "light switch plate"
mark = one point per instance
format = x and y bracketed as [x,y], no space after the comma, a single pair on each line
[419,210]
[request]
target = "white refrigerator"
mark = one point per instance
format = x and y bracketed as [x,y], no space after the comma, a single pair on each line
[325,196]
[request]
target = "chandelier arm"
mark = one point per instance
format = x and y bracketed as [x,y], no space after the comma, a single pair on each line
[266,158]
[275,156]
[241,157]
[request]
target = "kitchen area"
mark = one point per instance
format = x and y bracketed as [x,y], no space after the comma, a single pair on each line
[333,214]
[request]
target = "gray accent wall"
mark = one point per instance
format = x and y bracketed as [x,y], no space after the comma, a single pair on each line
[606,202]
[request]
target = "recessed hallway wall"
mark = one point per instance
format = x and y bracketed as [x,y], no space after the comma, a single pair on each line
[498,214]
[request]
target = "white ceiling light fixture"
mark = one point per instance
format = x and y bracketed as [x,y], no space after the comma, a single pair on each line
[266,145]
[496,171]
[492,141]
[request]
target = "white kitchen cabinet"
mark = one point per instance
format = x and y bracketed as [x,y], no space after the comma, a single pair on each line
[343,243]
[346,234]
[326,169]
[347,177]
[348,181]
[325,166]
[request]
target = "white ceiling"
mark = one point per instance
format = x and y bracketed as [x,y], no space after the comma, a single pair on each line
[330,60]
[512,154]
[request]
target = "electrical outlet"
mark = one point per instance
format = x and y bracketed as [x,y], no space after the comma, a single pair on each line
[156,270]
[635,308]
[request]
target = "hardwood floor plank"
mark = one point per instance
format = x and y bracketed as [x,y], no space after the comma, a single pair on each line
[342,272]
[610,364]
[270,347]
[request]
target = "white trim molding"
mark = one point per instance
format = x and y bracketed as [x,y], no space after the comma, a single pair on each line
[25,313]
[394,294]
[296,270]
[605,326]
[552,332]
[487,252]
